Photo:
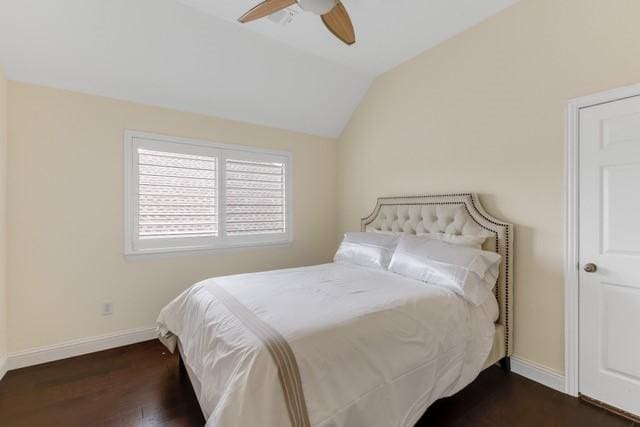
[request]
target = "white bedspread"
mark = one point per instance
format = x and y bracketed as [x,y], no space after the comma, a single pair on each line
[373,348]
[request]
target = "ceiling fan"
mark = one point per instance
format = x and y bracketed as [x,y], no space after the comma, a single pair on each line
[333,14]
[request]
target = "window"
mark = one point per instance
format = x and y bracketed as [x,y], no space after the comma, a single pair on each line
[187,195]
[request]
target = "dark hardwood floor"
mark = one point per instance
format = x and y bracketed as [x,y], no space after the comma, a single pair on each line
[140,385]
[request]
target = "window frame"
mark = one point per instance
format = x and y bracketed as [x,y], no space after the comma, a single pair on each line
[134,247]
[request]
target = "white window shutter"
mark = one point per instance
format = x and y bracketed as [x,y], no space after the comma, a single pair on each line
[255,198]
[185,195]
[176,195]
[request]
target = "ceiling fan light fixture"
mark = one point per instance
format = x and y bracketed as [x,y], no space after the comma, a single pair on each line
[319,7]
[283,17]
[332,13]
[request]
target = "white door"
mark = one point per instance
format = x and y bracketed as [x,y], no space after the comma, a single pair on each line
[610,245]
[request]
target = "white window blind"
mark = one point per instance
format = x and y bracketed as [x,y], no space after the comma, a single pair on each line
[255,198]
[176,195]
[188,195]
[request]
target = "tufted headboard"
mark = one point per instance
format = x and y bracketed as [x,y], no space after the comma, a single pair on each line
[460,214]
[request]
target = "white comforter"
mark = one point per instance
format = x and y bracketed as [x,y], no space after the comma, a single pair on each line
[373,348]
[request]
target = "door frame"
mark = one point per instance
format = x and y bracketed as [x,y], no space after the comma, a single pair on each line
[572,226]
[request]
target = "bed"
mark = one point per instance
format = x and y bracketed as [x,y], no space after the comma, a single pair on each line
[343,345]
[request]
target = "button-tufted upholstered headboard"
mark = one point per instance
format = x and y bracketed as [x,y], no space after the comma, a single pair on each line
[460,214]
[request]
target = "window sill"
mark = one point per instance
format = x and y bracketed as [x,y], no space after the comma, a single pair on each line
[164,253]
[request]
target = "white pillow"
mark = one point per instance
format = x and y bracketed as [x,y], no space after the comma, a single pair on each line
[367,249]
[469,272]
[456,239]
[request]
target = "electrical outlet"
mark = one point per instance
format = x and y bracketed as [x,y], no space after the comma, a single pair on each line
[107,308]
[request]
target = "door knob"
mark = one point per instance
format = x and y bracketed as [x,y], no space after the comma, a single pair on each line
[590,268]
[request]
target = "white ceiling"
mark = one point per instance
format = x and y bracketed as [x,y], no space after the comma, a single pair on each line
[388,32]
[171,54]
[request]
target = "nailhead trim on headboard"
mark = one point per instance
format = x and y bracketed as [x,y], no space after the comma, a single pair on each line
[475,212]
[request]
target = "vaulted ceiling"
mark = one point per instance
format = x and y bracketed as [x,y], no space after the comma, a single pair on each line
[192,55]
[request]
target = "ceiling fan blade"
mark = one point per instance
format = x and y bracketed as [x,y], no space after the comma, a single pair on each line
[338,22]
[265,8]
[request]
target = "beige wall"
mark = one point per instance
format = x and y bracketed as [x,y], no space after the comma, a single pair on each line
[3,214]
[66,214]
[484,112]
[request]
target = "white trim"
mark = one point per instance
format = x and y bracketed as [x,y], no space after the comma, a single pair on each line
[129,134]
[572,254]
[572,217]
[3,366]
[538,373]
[212,251]
[36,356]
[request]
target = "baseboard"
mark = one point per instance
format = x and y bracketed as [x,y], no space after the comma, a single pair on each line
[538,373]
[36,356]
[3,366]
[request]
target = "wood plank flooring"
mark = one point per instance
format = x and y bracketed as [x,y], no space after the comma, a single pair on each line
[140,385]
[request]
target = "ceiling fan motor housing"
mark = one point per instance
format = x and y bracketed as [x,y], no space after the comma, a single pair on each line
[319,7]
